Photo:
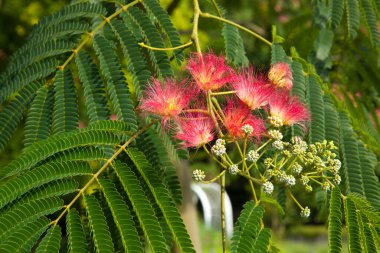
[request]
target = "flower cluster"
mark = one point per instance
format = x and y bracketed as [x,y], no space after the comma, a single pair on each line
[249,110]
[241,115]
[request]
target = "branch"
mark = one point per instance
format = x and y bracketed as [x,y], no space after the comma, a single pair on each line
[92,34]
[142,44]
[208,15]
[96,175]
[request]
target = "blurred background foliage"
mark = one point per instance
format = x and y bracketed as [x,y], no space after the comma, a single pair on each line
[349,68]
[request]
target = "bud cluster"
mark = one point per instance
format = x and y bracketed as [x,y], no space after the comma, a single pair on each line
[307,164]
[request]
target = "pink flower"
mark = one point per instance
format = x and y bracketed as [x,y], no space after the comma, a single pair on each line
[281,75]
[286,110]
[253,90]
[168,98]
[195,130]
[209,71]
[238,115]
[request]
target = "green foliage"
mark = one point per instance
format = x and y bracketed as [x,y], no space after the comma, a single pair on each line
[76,237]
[315,102]
[59,163]
[65,113]
[354,10]
[51,242]
[358,163]
[234,47]
[248,235]
[335,222]
[39,117]
[163,200]
[78,67]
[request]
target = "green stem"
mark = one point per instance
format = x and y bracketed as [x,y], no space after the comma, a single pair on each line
[239,149]
[212,114]
[264,145]
[215,178]
[222,211]
[244,153]
[215,101]
[295,200]
[142,44]
[194,34]
[195,110]
[216,160]
[223,93]
[216,8]
[208,15]
[254,180]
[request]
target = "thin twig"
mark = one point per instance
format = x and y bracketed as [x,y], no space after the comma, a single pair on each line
[208,15]
[142,44]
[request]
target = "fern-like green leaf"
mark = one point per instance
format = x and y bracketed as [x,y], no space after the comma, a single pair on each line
[99,133]
[27,76]
[370,239]
[316,108]
[353,18]
[81,154]
[70,12]
[247,228]
[152,38]
[162,154]
[162,197]
[116,84]
[76,238]
[365,208]
[39,117]
[273,202]
[51,242]
[137,65]
[371,20]
[352,177]
[65,29]
[24,239]
[331,122]
[352,226]
[100,231]
[12,113]
[65,114]
[234,47]
[159,14]
[278,54]
[52,48]
[335,222]
[29,212]
[39,176]
[53,189]
[122,216]
[299,90]
[336,8]
[370,180]
[96,101]
[142,207]
[262,241]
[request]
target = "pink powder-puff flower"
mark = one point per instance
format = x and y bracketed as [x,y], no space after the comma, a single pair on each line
[287,110]
[167,98]
[209,71]
[239,118]
[280,75]
[195,130]
[252,89]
